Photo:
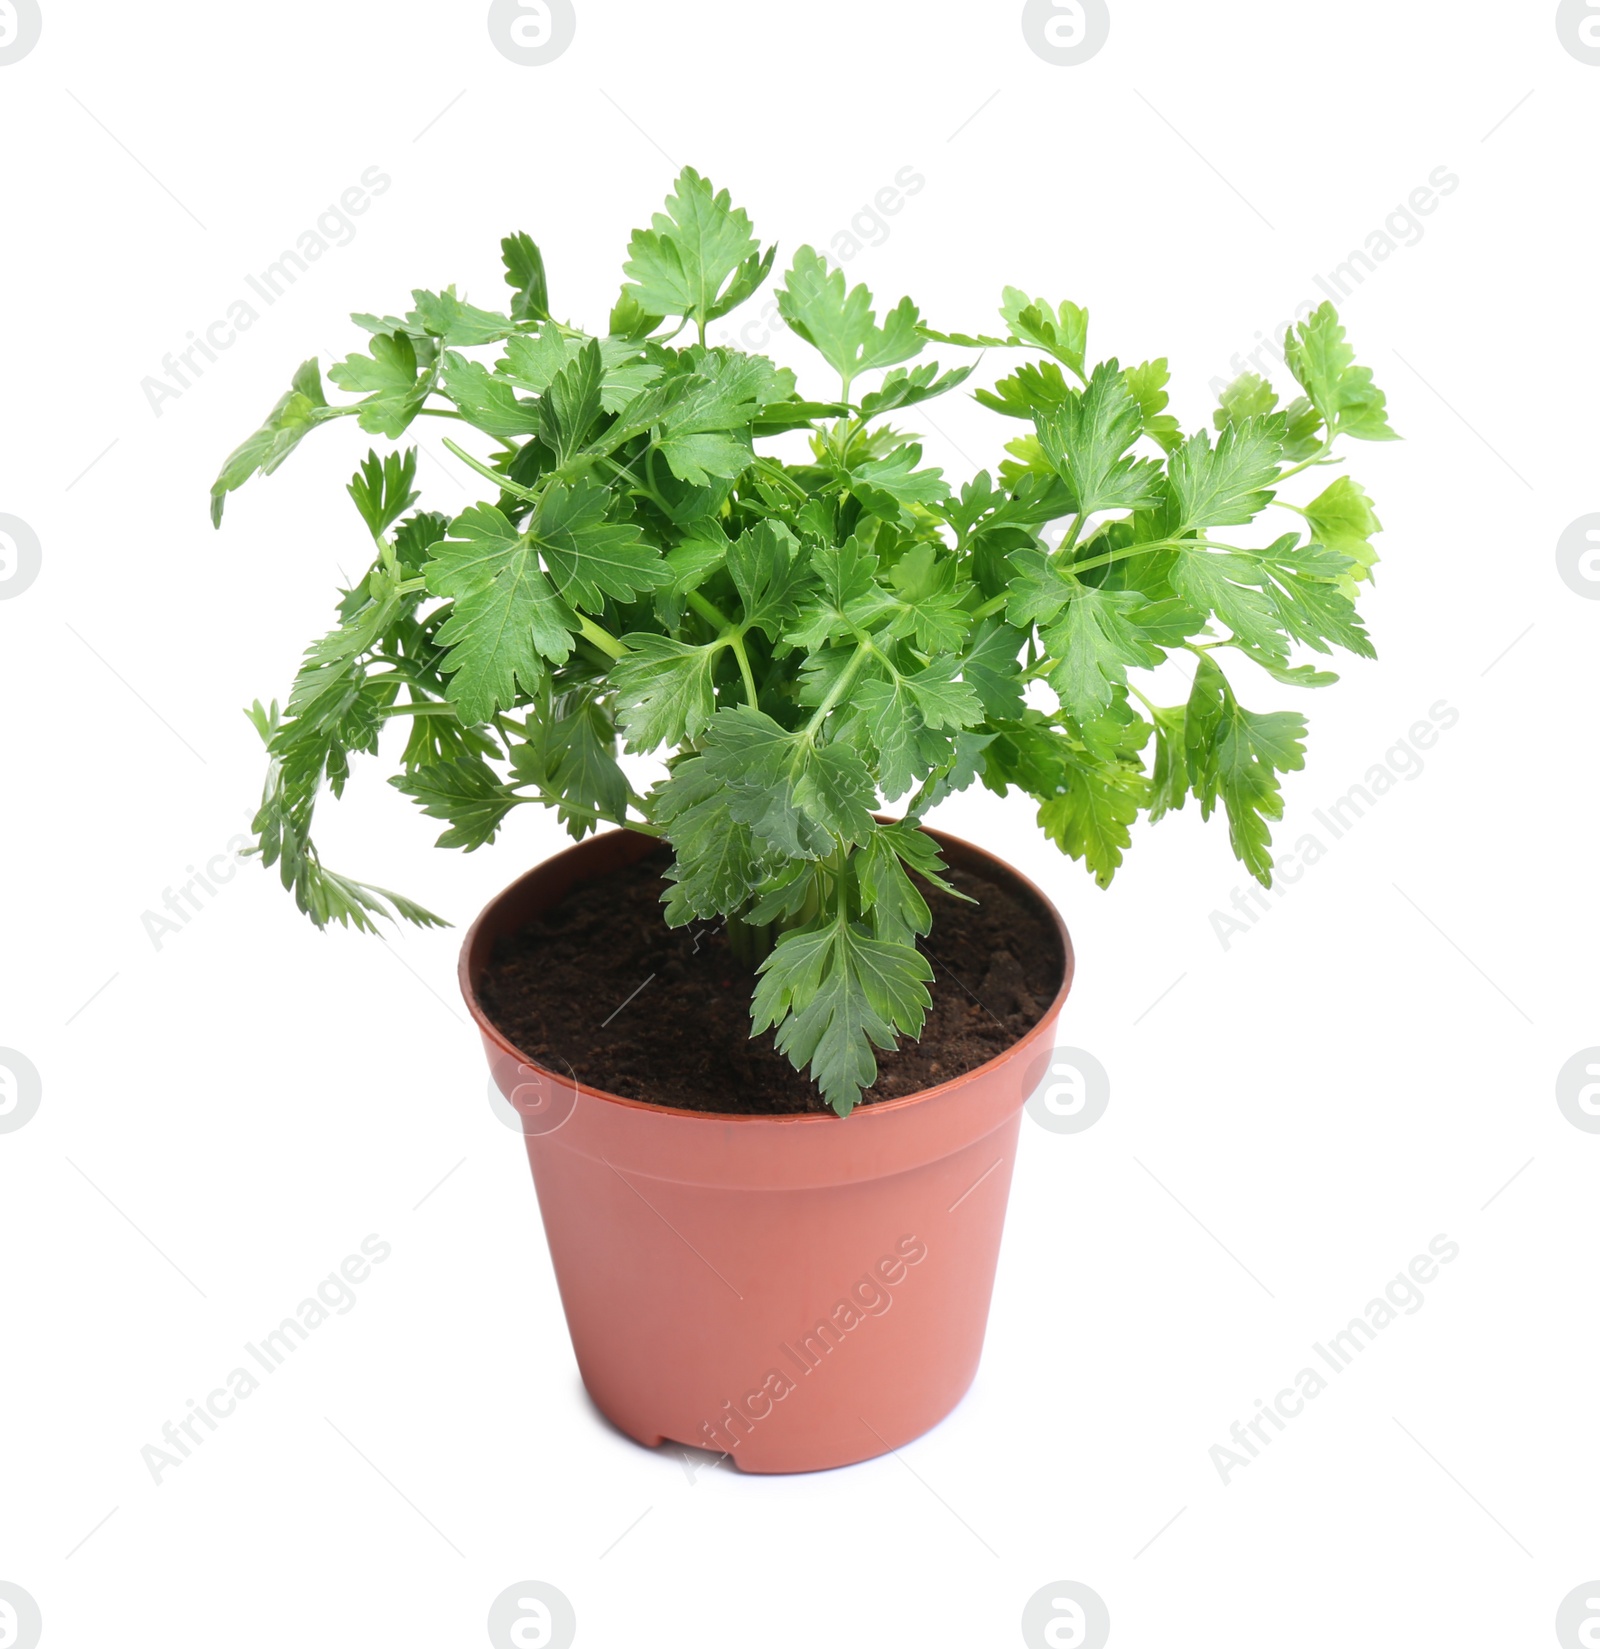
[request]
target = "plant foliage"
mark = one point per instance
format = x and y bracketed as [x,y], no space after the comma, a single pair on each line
[806,638]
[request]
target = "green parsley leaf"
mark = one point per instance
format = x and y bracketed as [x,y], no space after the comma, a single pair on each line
[716,865]
[489,401]
[906,389]
[944,701]
[1036,591]
[1086,438]
[664,691]
[525,276]
[1148,386]
[990,667]
[444,316]
[294,416]
[833,995]
[703,432]
[1237,756]
[1271,596]
[889,898]
[1344,520]
[1234,587]
[1342,392]
[533,362]
[680,265]
[891,486]
[1225,485]
[1092,817]
[393,378]
[767,572]
[1036,386]
[1099,637]
[886,728]
[1064,331]
[1088,799]
[1169,773]
[799,795]
[929,599]
[1248,396]
[505,621]
[571,758]
[569,407]
[847,595]
[840,325]
[693,561]
[590,557]
[384,489]
[468,793]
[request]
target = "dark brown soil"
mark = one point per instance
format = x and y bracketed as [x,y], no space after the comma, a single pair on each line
[557,990]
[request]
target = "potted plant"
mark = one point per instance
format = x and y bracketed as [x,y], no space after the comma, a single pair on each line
[783,1248]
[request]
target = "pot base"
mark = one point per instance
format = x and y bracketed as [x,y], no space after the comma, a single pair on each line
[789,1330]
[776,1462]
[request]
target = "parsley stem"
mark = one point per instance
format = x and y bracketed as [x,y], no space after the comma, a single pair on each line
[569,806]
[1202,651]
[504,483]
[731,635]
[991,606]
[588,650]
[840,687]
[1160,544]
[432,707]
[1123,554]
[644,488]
[1320,456]
[603,639]
[775,473]
[407,670]
[505,727]
[737,640]
[711,613]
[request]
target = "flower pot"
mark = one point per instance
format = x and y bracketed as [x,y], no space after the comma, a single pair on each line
[797,1291]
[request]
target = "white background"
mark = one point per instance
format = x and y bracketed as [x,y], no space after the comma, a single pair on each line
[225,1118]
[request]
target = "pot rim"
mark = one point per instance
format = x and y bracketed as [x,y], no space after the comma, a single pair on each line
[492,1033]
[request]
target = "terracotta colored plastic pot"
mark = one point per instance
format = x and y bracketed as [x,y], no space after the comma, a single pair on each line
[797,1292]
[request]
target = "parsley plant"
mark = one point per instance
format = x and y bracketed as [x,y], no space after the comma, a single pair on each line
[805,641]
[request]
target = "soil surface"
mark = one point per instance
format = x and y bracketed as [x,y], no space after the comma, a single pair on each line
[557,990]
